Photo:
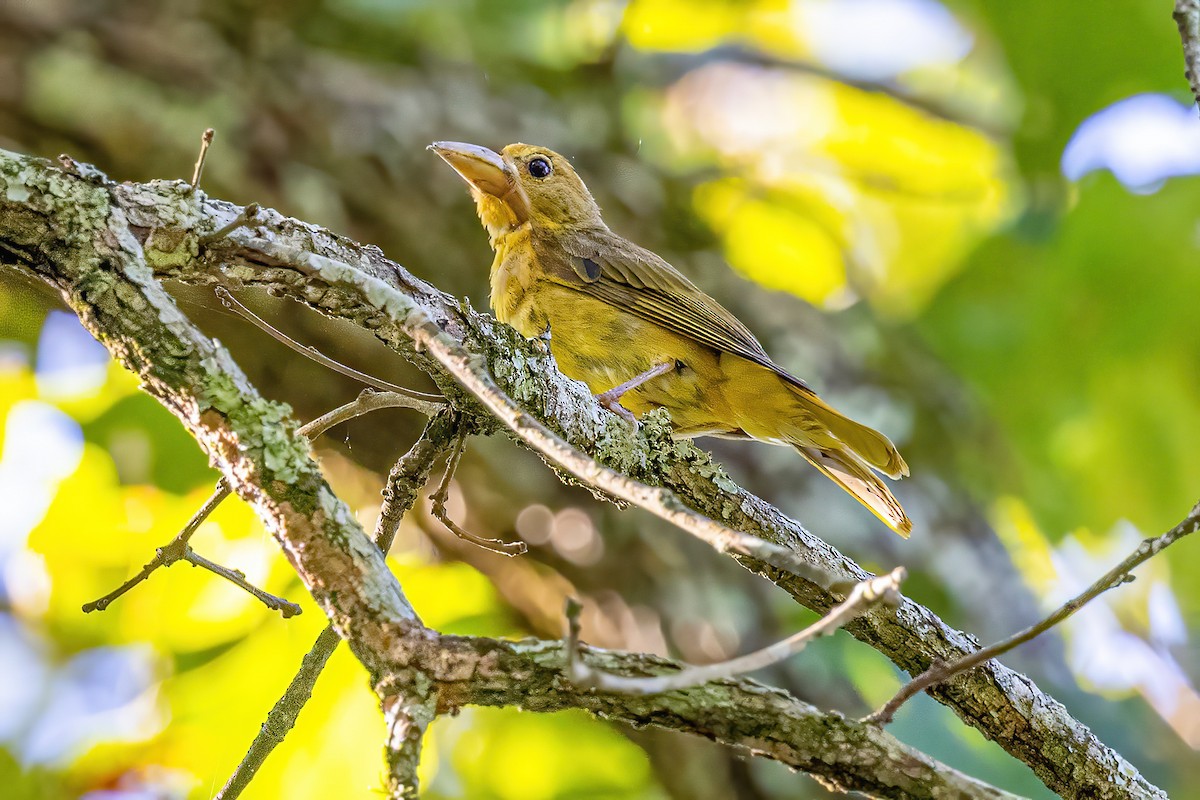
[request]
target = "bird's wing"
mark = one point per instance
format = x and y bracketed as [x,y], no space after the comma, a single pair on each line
[620,273]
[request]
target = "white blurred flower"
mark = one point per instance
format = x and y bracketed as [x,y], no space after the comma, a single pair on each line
[1142,140]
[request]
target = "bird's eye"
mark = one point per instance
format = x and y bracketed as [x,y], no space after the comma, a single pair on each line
[540,168]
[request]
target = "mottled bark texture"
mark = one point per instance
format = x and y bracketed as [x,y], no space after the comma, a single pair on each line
[104,246]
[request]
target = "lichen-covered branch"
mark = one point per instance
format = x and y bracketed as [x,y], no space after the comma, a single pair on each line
[405,480]
[742,713]
[68,232]
[58,226]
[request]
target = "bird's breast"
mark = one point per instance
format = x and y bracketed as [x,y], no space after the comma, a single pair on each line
[512,279]
[604,346]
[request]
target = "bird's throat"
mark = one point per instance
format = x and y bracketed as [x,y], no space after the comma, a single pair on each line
[497,216]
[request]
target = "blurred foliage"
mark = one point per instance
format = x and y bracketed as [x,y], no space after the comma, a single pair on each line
[883,177]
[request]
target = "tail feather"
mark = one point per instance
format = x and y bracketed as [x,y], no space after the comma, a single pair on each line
[846,452]
[850,472]
[869,444]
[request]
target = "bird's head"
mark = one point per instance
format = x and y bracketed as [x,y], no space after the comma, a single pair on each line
[522,183]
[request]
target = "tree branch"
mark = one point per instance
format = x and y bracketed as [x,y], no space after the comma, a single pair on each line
[169,553]
[405,480]
[407,718]
[79,235]
[1117,576]
[442,494]
[844,754]
[286,608]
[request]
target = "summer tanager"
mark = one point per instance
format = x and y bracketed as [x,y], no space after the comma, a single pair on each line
[640,334]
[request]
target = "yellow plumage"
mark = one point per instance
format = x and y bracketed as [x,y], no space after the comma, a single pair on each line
[616,311]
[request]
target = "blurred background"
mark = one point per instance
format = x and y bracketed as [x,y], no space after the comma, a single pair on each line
[970,224]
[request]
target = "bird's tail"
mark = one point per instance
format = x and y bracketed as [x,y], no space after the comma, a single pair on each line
[847,452]
[850,472]
[771,406]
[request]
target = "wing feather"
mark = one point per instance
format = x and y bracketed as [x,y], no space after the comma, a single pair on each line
[636,279]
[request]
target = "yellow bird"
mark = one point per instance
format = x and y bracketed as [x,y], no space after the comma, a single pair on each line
[640,334]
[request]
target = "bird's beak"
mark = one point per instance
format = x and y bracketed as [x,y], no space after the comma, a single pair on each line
[484,169]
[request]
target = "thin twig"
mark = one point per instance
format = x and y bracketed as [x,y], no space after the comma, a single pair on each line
[367,401]
[205,140]
[282,717]
[409,474]
[442,494]
[310,352]
[178,548]
[405,480]
[286,608]
[1187,17]
[1117,576]
[883,588]
[168,554]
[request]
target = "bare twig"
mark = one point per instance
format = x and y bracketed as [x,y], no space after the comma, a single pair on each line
[310,352]
[205,140]
[1187,17]
[410,473]
[883,588]
[282,716]
[286,608]
[1117,576]
[178,549]
[405,480]
[366,402]
[442,494]
[168,554]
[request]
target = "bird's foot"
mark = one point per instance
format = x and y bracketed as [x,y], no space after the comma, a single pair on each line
[542,341]
[612,402]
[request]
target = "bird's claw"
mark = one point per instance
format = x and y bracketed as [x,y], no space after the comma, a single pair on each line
[613,403]
[542,341]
